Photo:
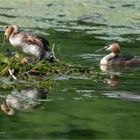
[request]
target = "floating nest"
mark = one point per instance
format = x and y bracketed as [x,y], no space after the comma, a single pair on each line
[18,67]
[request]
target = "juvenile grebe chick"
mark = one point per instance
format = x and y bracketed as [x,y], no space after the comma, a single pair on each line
[114,58]
[29,43]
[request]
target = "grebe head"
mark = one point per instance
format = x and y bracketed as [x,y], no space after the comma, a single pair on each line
[111,46]
[11,29]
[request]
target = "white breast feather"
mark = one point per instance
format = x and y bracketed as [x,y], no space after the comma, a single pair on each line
[31,49]
[15,42]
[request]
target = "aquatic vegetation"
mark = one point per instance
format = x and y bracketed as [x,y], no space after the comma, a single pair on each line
[18,67]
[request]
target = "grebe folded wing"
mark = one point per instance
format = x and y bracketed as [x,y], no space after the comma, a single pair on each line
[121,57]
[31,38]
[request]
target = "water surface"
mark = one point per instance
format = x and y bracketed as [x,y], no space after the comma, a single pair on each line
[104,106]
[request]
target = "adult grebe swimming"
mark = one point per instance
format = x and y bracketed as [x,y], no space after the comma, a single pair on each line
[30,43]
[114,58]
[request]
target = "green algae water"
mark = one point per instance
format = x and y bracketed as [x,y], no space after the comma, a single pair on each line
[105,105]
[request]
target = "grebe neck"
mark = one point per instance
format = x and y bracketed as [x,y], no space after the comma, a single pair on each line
[104,60]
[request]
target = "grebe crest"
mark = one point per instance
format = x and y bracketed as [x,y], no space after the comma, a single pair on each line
[11,29]
[113,46]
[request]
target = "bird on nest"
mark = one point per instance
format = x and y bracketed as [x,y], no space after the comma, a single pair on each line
[29,43]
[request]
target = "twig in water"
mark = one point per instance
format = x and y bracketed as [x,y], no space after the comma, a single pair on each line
[11,73]
[54,53]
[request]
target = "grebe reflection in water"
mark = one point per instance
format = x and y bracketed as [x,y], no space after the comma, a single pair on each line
[25,98]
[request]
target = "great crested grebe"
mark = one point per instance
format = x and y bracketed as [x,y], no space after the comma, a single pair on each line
[30,43]
[115,58]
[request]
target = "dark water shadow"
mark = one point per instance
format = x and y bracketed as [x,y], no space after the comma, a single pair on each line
[77,134]
[8,16]
[6,8]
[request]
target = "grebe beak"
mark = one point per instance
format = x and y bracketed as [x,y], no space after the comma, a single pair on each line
[101,49]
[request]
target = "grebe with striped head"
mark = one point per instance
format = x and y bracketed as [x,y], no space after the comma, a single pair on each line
[29,43]
[115,58]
